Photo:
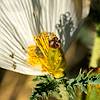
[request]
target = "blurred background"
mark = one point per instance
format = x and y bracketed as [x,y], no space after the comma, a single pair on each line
[84,52]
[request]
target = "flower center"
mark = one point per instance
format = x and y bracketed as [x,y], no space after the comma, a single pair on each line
[47,53]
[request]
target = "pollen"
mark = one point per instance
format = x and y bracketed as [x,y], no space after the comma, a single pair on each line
[48,56]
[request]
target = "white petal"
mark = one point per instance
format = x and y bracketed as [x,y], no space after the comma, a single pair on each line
[20,19]
[23,69]
[19,13]
[18,64]
[86,8]
[17,27]
[51,11]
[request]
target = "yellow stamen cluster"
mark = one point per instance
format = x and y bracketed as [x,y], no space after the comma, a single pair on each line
[51,59]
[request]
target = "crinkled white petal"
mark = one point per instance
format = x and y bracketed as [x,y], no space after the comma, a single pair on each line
[52,10]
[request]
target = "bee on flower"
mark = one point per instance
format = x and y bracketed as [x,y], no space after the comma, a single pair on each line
[35,35]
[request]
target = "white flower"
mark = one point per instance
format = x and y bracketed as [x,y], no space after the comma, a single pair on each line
[22,20]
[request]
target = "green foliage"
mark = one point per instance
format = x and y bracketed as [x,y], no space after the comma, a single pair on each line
[44,87]
[48,85]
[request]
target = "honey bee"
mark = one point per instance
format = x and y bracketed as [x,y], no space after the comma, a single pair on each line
[54,42]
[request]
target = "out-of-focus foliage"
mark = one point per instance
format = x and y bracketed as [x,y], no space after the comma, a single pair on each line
[95,59]
[98,30]
[93,92]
